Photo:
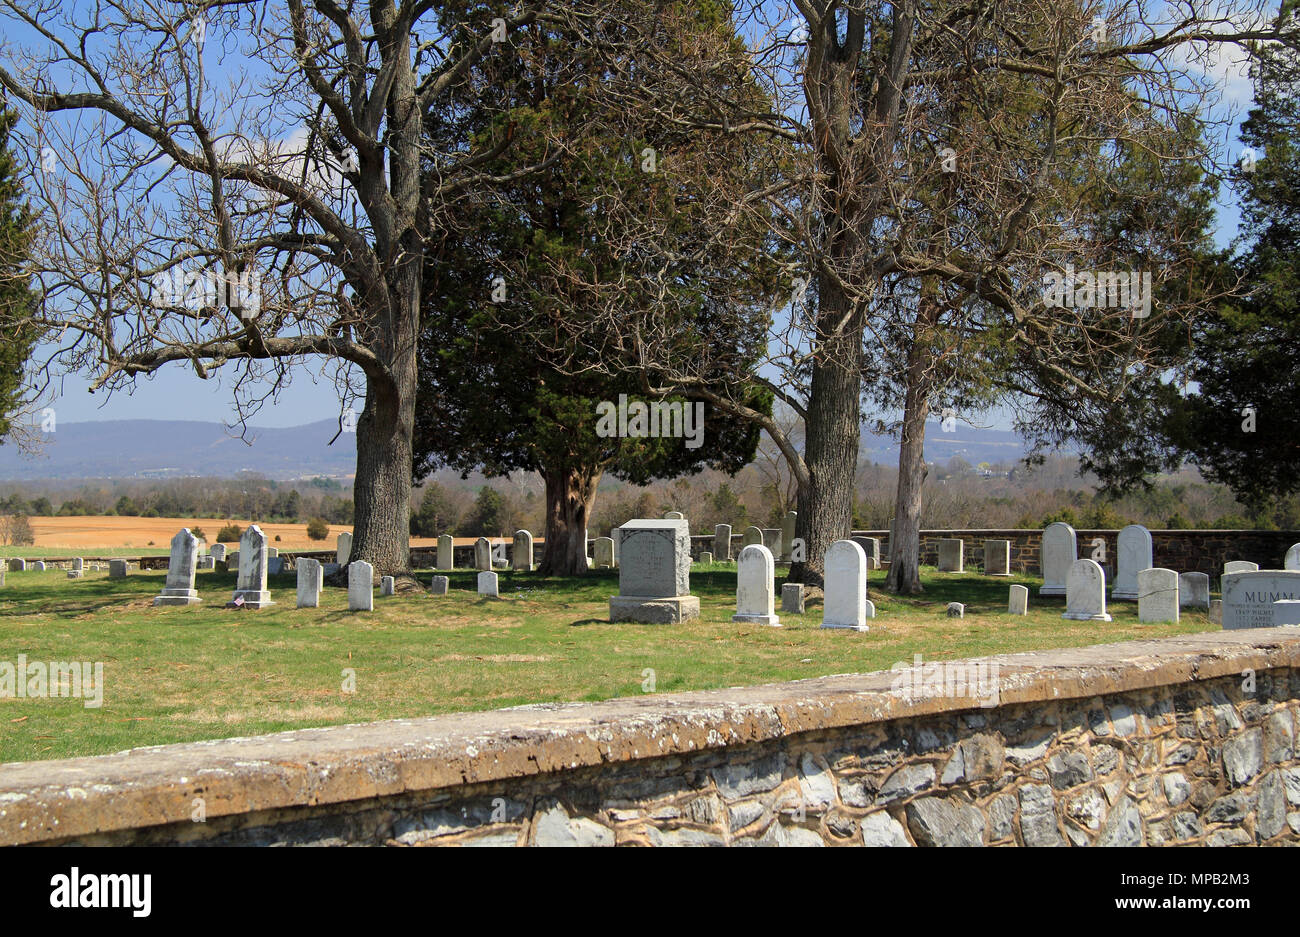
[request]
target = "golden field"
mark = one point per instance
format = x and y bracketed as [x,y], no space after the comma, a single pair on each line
[86,533]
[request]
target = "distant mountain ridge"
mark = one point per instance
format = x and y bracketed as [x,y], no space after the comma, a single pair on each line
[187,448]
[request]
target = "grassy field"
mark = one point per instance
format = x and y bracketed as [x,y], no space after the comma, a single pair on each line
[180,674]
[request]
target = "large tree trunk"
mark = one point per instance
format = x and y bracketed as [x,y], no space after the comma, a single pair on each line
[570,495]
[832,434]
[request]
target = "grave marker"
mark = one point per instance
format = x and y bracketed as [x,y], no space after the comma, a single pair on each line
[446,552]
[487,584]
[722,542]
[1085,592]
[755,569]
[1248,596]
[1157,595]
[310,580]
[997,557]
[1057,552]
[522,551]
[1018,601]
[181,566]
[250,586]
[1133,554]
[1194,590]
[845,596]
[952,555]
[654,573]
[361,586]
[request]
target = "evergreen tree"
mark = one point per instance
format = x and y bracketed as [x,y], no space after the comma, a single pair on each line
[16,297]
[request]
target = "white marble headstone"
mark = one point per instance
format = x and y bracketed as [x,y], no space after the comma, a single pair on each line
[181,566]
[361,586]
[1085,592]
[446,552]
[1134,551]
[755,575]
[845,594]
[521,551]
[1157,594]
[1057,552]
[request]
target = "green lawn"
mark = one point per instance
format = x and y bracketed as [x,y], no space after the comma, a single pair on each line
[68,553]
[180,674]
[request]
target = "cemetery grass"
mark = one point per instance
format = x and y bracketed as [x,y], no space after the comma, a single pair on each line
[202,672]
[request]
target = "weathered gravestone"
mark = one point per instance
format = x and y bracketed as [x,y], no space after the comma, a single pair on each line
[1248,596]
[250,585]
[1239,566]
[1194,590]
[311,577]
[1286,612]
[181,566]
[706,558]
[654,573]
[78,568]
[755,570]
[752,536]
[722,543]
[117,569]
[792,597]
[218,552]
[844,603]
[871,547]
[487,584]
[1057,552]
[17,565]
[603,553]
[1157,594]
[956,610]
[439,585]
[361,586]
[1292,560]
[343,552]
[674,516]
[207,562]
[482,554]
[446,552]
[952,557]
[1133,554]
[1018,601]
[522,551]
[772,539]
[387,585]
[787,533]
[39,566]
[272,552]
[997,557]
[1085,592]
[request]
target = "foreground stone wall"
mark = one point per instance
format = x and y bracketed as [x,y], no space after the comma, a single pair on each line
[1154,742]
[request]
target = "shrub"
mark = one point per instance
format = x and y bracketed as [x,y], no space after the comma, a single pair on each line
[277,538]
[229,534]
[317,529]
[199,534]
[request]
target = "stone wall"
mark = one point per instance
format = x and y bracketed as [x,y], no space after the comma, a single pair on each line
[1154,742]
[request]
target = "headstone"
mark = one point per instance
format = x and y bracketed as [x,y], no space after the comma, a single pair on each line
[1133,554]
[117,569]
[614,539]
[387,585]
[232,560]
[440,585]
[361,586]
[487,584]
[343,553]
[956,610]
[1085,592]
[17,565]
[997,557]
[792,597]
[1018,601]
[1239,566]
[869,608]
[1216,611]
[2,575]
[482,554]
[522,551]
[1292,560]
[207,562]
[1194,590]
[755,571]
[181,566]
[1286,612]
[752,536]
[310,580]
[446,553]
[870,546]
[845,595]
[218,551]
[1056,554]
[1248,597]
[787,533]
[275,565]
[674,516]
[722,543]
[952,555]
[654,573]
[272,552]
[1157,594]
[79,565]
[39,566]
[603,553]
[329,569]
[250,586]
[706,558]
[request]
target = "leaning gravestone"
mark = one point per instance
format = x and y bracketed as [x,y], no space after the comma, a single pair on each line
[250,586]
[952,555]
[1239,566]
[997,557]
[752,535]
[446,552]
[1194,590]
[654,573]
[603,553]
[755,571]
[1292,560]
[361,586]
[1157,595]
[482,554]
[844,603]
[1248,597]
[722,543]
[1085,592]
[181,567]
[1133,549]
[1057,552]
[792,597]
[343,552]
[117,569]
[310,580]
[787,533]
[522,551]
[487,584]
[1018,601]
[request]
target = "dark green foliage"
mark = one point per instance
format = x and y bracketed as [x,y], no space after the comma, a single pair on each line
[17,301]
